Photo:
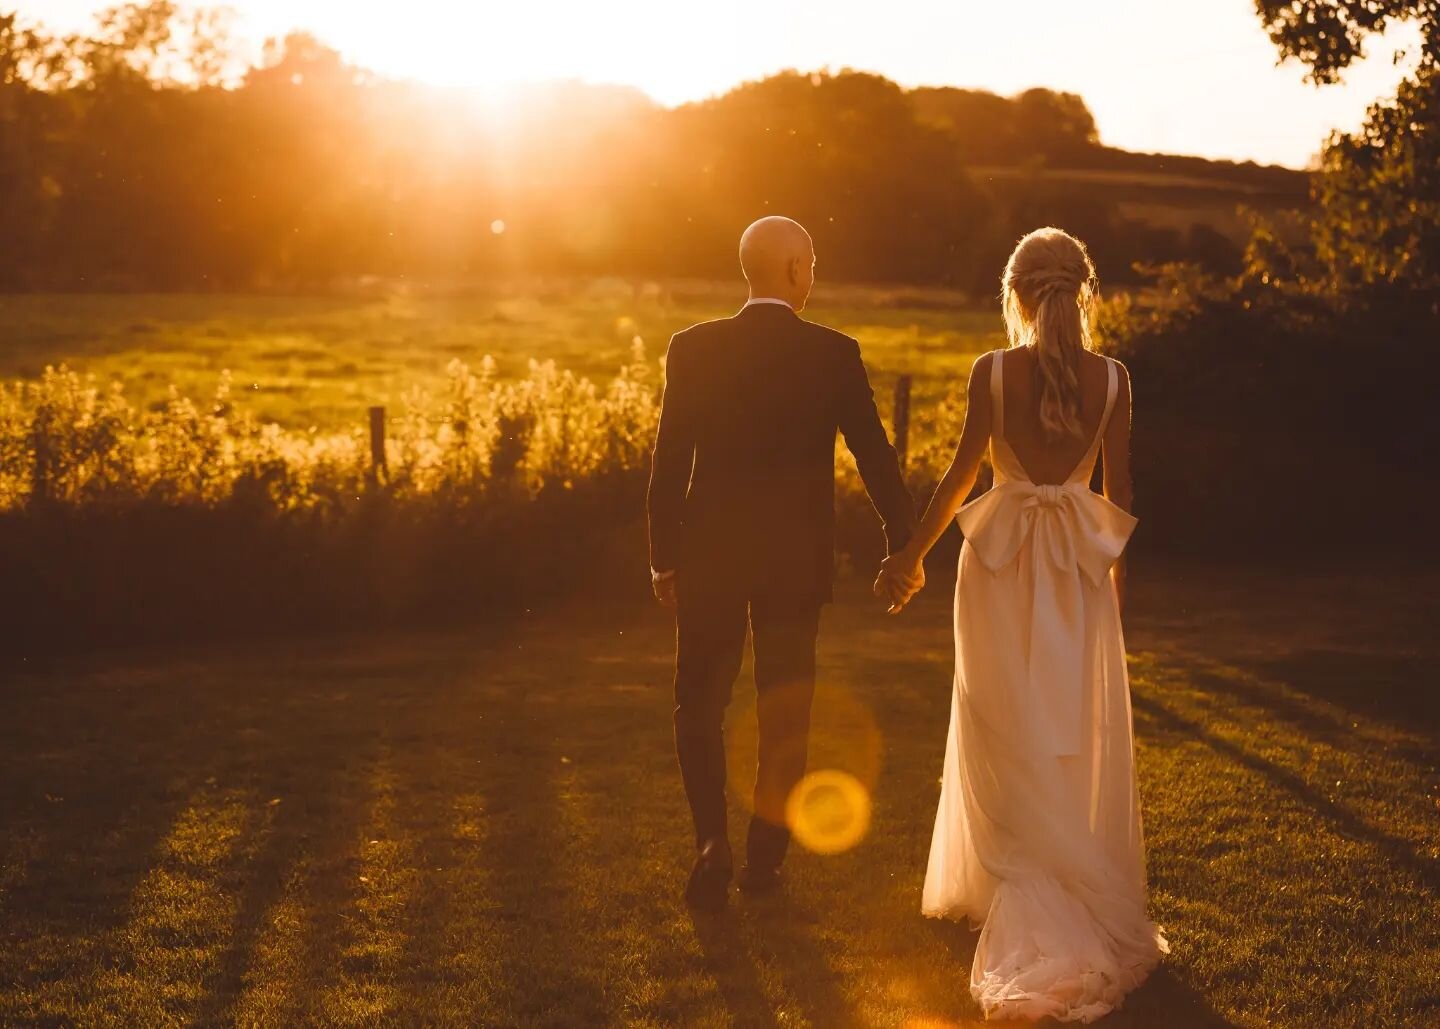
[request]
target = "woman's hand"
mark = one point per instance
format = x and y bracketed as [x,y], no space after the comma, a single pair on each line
[902,575]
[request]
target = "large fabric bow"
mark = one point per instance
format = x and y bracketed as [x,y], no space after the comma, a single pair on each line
[1072,532]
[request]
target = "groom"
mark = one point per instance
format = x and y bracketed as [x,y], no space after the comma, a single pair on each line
[742,526]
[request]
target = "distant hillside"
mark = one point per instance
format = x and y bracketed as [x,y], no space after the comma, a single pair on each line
[1270,179]
[1169,194]
[1041,150]
[1042,127]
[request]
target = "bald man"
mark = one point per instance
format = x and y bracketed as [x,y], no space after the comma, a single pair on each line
[742,528]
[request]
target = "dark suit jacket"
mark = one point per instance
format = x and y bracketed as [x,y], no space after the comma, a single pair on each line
[742,489]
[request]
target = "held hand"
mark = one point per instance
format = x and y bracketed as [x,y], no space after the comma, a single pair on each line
[897,592]
[901,577]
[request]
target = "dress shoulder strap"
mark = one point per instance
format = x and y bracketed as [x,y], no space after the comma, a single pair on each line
[1087,463]
[1112,388]
[997,395]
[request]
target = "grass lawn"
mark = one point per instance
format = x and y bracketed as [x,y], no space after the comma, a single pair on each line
[487,828]
[321,361]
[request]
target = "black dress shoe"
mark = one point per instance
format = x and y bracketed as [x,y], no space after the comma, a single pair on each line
[709,885]
[758,880]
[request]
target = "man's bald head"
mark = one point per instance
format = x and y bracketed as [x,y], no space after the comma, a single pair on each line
[778,259]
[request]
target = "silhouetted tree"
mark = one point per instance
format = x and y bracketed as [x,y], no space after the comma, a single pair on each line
[989,128]
[1330,35]
[26,153]
[982,123]
[144,155]
[1377,229]
[1057,124]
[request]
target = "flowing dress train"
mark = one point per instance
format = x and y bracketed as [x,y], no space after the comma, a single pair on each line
[1038,833]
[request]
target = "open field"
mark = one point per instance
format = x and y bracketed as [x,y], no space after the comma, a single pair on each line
[487,828]
[321,361]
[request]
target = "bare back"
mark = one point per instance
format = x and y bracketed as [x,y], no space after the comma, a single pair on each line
[1045,459]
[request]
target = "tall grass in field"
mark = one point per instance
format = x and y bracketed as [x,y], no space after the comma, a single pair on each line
[67,439]
[190,518]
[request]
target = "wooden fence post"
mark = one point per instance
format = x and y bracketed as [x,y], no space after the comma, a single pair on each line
[377,445]
[902,419]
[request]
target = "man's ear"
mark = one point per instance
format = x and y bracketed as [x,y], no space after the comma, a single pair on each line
[793,269]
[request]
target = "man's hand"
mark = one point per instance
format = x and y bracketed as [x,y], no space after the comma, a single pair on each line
[664,586]
[900,578]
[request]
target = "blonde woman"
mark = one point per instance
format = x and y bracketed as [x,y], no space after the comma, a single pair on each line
[1038,833]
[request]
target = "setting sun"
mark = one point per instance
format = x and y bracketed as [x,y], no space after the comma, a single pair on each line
[677,52]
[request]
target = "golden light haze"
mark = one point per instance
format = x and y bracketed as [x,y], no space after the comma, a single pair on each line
[1160,75]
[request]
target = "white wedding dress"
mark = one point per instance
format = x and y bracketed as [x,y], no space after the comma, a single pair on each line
[1038,833]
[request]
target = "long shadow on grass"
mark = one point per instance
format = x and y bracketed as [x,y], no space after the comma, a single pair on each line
[1166,999]
[495,743]
[98,773]
[317,789]
[1260,687]
[950,995]
[1323,691]
[791,928]
[483,948]
[780,934]
[1267,692]
[1394,688]
[731,964]
[1399,852]
[467,921]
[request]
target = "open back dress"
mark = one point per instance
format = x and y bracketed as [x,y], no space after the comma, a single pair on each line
[1038,834]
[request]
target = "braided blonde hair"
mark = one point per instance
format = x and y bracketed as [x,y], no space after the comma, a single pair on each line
[1049,289]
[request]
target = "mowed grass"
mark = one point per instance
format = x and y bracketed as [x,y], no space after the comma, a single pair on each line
[321,361]
[488,829]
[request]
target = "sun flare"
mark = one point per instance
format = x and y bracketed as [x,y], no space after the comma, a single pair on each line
[681,52]
[488,49]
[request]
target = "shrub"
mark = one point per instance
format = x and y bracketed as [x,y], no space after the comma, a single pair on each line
[197,519]
[68,440]
[1266,411]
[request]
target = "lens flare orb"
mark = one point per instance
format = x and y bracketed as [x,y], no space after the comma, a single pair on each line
[829,811]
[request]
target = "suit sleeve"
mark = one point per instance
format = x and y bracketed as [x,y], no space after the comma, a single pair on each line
[874,455]
[673,459]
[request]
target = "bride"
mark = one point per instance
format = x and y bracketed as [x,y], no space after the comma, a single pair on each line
[1038,832]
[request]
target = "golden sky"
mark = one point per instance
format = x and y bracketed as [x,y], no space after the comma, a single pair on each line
[1160,75]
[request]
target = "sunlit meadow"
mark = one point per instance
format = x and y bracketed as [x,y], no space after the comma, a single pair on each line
[200,402]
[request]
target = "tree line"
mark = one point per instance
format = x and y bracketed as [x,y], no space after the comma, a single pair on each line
[1308,373]
[138,156]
